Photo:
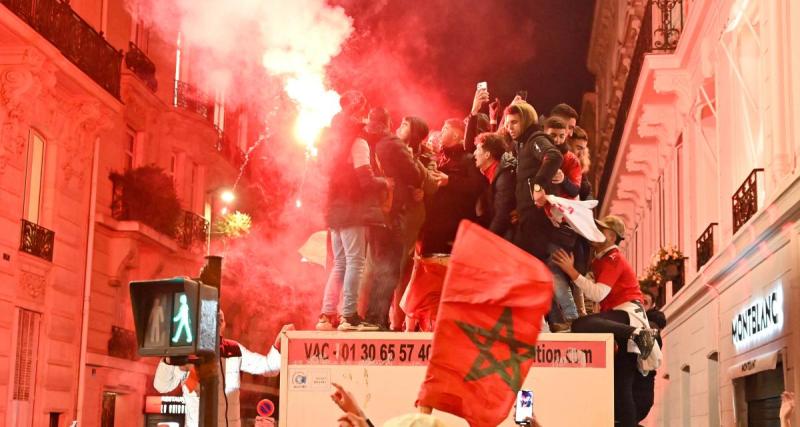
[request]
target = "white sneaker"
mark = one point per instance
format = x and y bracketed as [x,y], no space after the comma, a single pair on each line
[346,324]
[324,323]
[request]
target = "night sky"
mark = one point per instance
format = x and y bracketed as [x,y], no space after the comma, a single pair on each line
[425,57]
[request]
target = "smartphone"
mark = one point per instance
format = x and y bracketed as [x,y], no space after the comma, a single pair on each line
[483,85]
[523,94]
[524,407]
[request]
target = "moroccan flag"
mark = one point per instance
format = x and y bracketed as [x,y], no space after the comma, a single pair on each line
[491,310]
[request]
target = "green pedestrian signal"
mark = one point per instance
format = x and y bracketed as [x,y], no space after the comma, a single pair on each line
[181,323]
[175,317]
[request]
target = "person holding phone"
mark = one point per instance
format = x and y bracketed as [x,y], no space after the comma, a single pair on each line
[538,161]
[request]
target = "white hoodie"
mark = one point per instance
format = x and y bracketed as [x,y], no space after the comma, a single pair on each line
[169,377]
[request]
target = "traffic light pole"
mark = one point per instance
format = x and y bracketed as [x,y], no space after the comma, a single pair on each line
[208,369]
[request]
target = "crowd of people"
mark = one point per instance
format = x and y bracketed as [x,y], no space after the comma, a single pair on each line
[396,199]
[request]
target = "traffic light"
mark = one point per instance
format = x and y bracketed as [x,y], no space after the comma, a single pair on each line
[175,317]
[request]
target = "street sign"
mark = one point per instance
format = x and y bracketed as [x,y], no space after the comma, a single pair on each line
[265,407]
[175,317]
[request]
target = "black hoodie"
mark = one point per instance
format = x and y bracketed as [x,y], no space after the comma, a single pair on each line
[453,202]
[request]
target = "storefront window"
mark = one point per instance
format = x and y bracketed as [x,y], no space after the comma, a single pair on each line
[757,399]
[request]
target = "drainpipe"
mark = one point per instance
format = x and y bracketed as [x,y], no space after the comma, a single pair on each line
[87,286]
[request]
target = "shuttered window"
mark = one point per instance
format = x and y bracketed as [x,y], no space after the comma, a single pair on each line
[26,350]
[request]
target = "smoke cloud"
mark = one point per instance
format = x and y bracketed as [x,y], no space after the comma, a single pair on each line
[285,61]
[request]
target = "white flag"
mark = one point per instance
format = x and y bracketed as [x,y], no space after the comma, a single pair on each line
[577,214]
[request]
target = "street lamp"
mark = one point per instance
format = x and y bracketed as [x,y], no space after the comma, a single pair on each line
[227,196]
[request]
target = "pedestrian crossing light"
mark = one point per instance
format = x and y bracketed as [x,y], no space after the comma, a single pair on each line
[175,317]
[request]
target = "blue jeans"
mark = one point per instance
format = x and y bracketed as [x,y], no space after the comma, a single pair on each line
[349,257]
[563,308]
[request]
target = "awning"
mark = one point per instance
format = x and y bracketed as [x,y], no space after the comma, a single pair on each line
[755,365]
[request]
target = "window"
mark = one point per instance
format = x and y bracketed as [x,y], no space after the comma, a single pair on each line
[173,165]
[26,348]
[104,17]
[635,257]
[219,111]
[686,398]
[55,419]
[130,150]
[661,214]
[109,409]
[34,177]
[713,390]
[243,131]
[177,70]
[748,73]
[141,35]
[679,189]
[193,189]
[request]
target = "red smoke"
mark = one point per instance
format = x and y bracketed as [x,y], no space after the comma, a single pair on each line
[414,57]
[424,58]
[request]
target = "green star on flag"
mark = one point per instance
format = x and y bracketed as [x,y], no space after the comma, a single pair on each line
[485,339]
[492,303]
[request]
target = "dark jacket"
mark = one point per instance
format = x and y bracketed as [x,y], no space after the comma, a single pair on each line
[498,200]
[538,160]
[395,160]
[453,202]
[353,194]
[585,192]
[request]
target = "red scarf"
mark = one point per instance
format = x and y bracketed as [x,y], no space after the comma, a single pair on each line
[491,172]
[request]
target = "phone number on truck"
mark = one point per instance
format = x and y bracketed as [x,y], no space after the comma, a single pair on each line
[339,352]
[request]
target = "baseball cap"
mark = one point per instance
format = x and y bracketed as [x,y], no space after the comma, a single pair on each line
[613,223]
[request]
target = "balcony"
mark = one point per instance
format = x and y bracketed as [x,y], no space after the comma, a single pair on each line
[668,15]
[37,240]
[75,38]
[744,203]
[188,229]
[141,65]
[192,231]
[192,99]
[705,246]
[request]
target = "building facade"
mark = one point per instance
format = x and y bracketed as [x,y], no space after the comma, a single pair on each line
[87,93]
[695,142]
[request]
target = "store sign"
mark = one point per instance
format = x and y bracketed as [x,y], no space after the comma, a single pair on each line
[762,318]
[755,365]
[167,405]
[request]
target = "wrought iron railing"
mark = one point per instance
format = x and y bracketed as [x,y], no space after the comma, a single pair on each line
[141,65]
[75,38]
[744,202]
[662,39]
[705,245]
[668,15]
[192,99]
[37,240]
[192,230]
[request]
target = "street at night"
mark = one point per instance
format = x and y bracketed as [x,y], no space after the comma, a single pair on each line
[399,213]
